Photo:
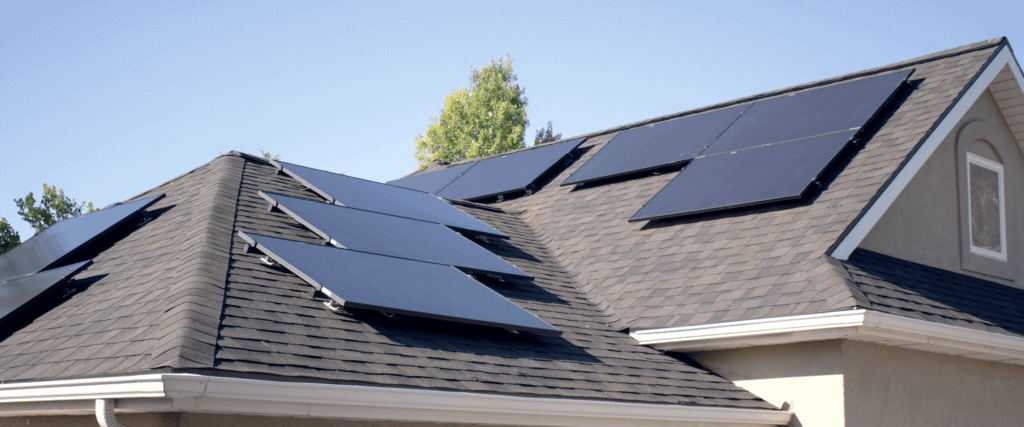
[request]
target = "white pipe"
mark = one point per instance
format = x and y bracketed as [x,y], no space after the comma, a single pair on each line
[105,413]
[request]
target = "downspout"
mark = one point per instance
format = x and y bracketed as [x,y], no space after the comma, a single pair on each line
[105,413]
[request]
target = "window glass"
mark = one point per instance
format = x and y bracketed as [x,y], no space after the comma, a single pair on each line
[985,232]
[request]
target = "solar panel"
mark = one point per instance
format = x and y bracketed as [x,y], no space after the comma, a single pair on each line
[509,173]
[656,145]
[382,198]
[381,234]
[62,239]
[432,182]
[376,282]
[732,180]
[835,108]
[16,293]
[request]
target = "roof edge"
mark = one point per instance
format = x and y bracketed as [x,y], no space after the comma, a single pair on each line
[858,324]
[855,233]
[213,394]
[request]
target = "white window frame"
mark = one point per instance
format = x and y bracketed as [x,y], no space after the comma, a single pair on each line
[998,168]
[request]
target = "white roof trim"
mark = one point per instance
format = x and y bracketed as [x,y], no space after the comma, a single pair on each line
[857,324]
[867,222]
[200,393]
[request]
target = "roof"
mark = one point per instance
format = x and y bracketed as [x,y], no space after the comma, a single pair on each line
[179,293]
[903,288]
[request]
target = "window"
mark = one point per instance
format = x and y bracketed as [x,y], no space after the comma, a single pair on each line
[987,229]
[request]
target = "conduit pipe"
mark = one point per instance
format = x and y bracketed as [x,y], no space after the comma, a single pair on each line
[105,413]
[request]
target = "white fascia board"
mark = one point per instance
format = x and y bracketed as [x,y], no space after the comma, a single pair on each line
[874,213]
[857,324]
[200,393]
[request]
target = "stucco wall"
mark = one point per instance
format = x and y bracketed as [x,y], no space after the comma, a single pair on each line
[891,386]
[807,376]
[927,221]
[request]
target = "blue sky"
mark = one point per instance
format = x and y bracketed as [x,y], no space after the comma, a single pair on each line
[108,99]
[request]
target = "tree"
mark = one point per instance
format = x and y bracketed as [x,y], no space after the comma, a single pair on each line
[53,207]
[9,238]
[270,156]
[546,135]
[487,118]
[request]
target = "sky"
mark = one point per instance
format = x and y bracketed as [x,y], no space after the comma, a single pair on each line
[106,100]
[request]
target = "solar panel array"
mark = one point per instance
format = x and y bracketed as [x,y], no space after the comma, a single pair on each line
[773,150]
[61,240]
[510,173]
[382,198]
[396,285]
[376,233]
[17,293]
[655,146]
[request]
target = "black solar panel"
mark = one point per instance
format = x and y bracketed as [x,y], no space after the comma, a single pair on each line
[381,234]
[16,293]
[376,282]
[815,112]
[657,145]
[376,197]
[509,173]
[432,182]
[56,243]
[732,180]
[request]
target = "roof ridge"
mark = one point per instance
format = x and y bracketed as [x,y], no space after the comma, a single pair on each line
[193,309]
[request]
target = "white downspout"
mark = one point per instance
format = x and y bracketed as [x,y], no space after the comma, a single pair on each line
[105,413]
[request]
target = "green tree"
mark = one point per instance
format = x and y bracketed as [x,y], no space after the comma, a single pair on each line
[546,135]
[9,238]
[487,118]
[53,207]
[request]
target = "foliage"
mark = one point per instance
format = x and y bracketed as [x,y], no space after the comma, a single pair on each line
[53,207]
[546,135]
[486,119]
[9,238]
[270,156]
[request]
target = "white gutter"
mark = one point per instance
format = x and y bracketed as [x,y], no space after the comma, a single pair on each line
[858,324]
[874,213]
[199,393]
[105,413]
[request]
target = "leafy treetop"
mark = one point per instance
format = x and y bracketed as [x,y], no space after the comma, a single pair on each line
[9,238]
[53,207]
[270,156]
[485,119]
[546,135]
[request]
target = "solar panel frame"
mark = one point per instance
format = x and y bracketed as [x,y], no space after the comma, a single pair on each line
[443,284]
[54,244]
[489,179]
[830,109]
[696,184]
[17,293]
[433,182]
[393,236]
[655,146]
[416,204]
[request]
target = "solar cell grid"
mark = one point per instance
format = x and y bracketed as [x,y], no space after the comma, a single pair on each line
[656,145]
[61,240]
[17,293]
[393,236]
[761,175]
[814,112]
[509,173]
[432,182]
[382,198]
[395,285]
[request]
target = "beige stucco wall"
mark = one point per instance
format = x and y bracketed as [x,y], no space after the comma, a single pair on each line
[891,386]
[927,221]
[807,376]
